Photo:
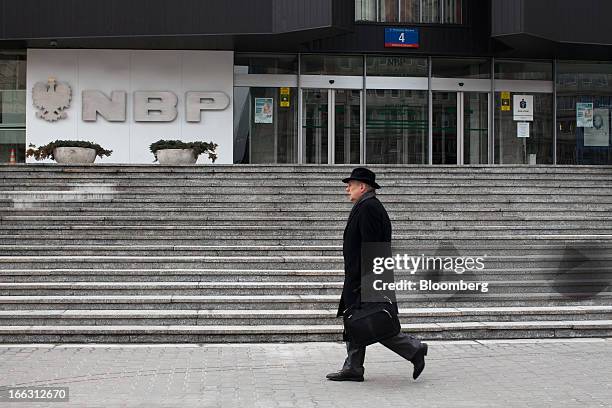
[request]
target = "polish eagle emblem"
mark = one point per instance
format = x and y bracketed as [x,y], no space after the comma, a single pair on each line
[51,99]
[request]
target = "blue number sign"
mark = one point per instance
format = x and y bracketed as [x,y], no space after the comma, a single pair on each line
[401,37]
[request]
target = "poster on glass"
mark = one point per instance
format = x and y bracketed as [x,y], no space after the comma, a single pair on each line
[584,115]
[264,110]
[599,134]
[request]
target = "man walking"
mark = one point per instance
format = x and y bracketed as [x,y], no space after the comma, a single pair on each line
[368,222]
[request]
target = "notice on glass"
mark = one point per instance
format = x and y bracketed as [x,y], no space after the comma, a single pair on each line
[523,108]
[584,115]
[599,134]
[522,129]
[264,110]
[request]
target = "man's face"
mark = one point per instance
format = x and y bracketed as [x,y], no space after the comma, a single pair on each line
[355,189]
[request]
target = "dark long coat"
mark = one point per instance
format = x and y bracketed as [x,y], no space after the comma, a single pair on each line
[368,222]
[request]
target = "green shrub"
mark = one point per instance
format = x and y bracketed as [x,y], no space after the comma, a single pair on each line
[46,151]
[198,147]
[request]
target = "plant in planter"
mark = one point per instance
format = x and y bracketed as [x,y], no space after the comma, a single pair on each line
[179,152]
[68,151]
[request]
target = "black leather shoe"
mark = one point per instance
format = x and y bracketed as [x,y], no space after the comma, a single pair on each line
[419,361]
[345,375]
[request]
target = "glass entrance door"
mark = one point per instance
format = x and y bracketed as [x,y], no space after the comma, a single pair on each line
[331,126]
[460,128]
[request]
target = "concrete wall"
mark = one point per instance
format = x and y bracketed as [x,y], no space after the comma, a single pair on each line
[133,70]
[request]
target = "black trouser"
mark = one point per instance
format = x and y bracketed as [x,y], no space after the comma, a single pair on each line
[403,344]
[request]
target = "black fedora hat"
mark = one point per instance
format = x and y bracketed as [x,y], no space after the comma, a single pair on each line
[362,174]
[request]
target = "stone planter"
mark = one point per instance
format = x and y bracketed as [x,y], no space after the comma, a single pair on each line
[74,155]
[176,156]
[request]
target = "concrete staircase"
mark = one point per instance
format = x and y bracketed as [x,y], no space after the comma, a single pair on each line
[131,253]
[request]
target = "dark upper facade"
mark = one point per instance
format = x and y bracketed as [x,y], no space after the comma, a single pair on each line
[506,28]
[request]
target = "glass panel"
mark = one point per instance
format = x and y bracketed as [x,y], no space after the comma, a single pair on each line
[389,11]
[12,71]
[453,11]
[410,11]
[332,65]
[523,70]
[475,68]
[476,128]
[365,10]
[12,139]
[397,127]
[538,147]
[431,11]
[265,125]
[265,64]
[396,66]
[579,82]
[315,122]
[347,126]
[444,128]
[12,108]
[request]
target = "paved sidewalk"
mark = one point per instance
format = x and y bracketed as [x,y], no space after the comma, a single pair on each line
[523,373]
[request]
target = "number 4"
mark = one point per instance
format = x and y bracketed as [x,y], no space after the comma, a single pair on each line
[401,37]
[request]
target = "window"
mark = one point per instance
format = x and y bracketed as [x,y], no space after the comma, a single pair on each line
[12,106]
[410,11]
[265,64]
[584,87]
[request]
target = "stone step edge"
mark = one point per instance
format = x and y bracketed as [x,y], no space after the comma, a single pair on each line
[271,313]
[278,329]
[252,284]
[436,238]
[196,271]
[275,217]
[263,298]
[240,259]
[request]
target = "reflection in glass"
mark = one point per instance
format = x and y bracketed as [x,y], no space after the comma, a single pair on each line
[579,82]
[444,124]
[476,128]
[365,10]
[452,11]
[389,11]
[431,11]
[410,11]
[523,70]
[332,65]
[535,149]
[475,68]
[268,140]
[397,127]
[315,125]
[347,126]
[12,106]
[396,66]
[265,64]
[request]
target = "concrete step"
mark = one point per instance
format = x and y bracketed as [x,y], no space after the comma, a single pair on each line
[270,333]
[293,231]
[176,196]
[335,189]
[405,212]
[549,274]
[509,249]
[287,302]
[217,169]
[417,241]
[559,285]
[399,223]
[259,262]
[115,206]
[290,317]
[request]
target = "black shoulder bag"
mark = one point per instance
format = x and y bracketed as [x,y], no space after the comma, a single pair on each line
[371,322]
